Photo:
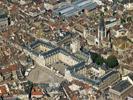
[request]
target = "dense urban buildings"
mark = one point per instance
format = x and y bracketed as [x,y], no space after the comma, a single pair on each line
[66,49]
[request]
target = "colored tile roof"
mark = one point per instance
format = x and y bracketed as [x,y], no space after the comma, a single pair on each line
[36,91]
[3,90]
[71,94]
[79,83]
[10,68]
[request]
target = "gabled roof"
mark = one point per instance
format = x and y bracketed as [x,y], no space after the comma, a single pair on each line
[3,90]
[10,68]
[36,91]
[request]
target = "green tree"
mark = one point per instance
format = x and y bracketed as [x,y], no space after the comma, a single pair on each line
[129,19]
[101,14]
[96,58]
[29,88]
[114,13]
[105,9]
[111,61]
[99,60]
[123,21]
[18,98]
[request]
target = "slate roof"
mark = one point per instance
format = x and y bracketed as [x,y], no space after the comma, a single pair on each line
[122,85]
[2,13]
[40,42]
[108,75]
[130,75]
[126,1]
[54,50]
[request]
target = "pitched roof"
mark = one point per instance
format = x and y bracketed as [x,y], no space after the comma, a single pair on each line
[10,68]
[36,91]
[130,75]
[3,90]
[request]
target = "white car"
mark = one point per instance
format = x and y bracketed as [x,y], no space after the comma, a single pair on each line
[32,67]
[28,69]
[26,73]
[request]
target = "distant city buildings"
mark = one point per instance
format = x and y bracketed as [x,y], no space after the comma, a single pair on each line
[66,50]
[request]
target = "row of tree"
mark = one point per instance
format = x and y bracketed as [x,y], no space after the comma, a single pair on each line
[111,61]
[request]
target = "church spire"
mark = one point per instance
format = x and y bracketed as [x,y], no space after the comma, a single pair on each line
[101,28]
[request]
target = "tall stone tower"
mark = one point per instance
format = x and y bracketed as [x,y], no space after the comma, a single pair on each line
[101,29]
[75,45]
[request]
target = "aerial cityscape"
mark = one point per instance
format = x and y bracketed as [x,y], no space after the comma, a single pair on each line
[66,49]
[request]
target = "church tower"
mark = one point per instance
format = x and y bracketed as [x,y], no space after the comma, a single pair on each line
[101,29]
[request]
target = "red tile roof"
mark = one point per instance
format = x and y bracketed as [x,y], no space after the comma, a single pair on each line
[79,83]
[3,90]
[75,97]
[37,91]
[10,68]
[70,93]
[14,8]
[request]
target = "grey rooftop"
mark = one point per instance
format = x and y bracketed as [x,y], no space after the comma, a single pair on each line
[122,85]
